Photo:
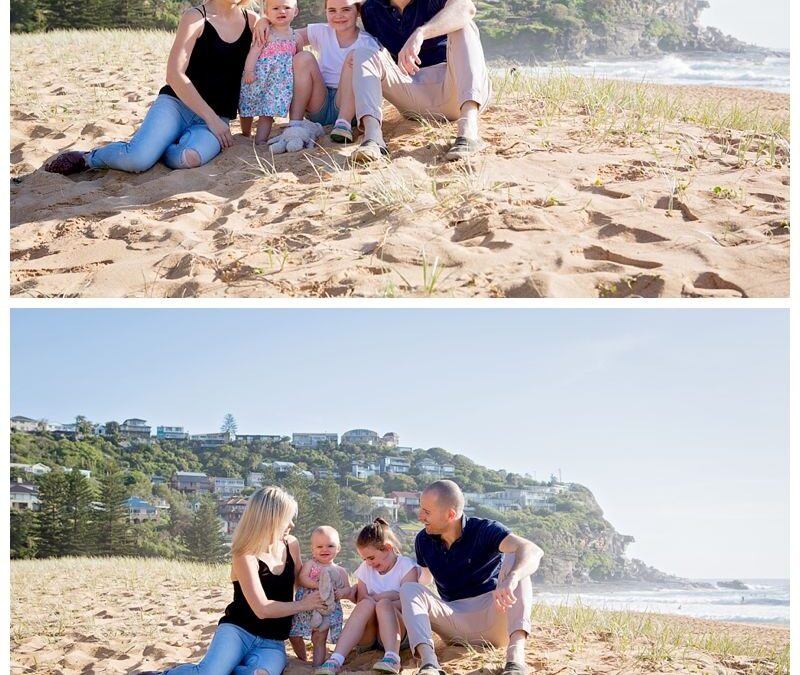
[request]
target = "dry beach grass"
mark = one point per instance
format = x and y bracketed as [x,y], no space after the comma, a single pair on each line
[87,616]
[589,188]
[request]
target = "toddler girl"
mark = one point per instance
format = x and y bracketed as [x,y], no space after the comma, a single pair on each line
[267,82]
[324,548]
[377,615]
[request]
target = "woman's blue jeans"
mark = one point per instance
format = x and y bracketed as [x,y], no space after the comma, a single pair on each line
[234,650]
[169,130]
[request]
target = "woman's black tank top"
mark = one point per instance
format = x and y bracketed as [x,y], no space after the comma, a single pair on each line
[215,67]
[276,587]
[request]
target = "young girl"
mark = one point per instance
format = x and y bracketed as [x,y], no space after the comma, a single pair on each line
[325,547]
[377,612]
[250,636]
[317,94]
[267,82]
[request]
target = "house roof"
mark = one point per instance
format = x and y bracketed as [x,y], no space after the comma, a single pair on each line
[24,488]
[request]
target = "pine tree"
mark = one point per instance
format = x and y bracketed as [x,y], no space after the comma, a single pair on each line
[50,524]
[326,507]
[228,424]
[112,521]
[296,484]
[203,539]
[78,533]
[23,534]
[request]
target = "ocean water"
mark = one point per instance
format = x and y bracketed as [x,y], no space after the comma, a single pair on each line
[764,601]
[750,71]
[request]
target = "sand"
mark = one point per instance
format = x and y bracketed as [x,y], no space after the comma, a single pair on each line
[556,206]
[87,616]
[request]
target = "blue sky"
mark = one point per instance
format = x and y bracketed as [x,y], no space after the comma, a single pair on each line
[676,419]
[764,23]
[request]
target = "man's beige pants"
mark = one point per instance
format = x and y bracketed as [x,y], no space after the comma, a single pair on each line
[475,621]
[437,91]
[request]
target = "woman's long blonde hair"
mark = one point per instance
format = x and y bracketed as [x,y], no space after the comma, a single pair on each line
[266,517]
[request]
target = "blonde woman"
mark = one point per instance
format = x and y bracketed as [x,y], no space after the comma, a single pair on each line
[188,124]
[264,567]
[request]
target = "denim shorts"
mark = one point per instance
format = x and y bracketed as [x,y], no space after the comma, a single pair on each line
[328,113]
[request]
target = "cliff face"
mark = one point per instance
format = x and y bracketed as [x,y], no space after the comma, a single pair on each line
[580,545]
[568,29]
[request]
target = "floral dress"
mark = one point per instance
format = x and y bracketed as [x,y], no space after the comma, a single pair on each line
[271,92]
[301,622]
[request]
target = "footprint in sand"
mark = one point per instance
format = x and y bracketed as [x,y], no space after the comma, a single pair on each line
[772,199]
[712,284]
[600,253]
[673,204]
[629,234]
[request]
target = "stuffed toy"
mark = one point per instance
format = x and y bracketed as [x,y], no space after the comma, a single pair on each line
[296,137]
[320,618]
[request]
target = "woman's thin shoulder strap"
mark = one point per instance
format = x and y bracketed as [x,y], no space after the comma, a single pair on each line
[201,9]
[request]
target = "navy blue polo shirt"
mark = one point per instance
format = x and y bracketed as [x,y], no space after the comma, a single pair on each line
[392,28]
[472,563]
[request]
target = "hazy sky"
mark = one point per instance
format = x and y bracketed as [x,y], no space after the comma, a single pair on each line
[764,23]
[677,420]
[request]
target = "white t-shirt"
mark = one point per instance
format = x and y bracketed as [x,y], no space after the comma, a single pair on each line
[331,56]
[382,583]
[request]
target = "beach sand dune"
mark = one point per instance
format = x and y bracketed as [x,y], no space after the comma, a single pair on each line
[567,200]
[88,616]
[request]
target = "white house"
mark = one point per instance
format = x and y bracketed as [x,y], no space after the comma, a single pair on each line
[385,503]
[395,465]
[360,437]
[20,423]
[24,497]
[312,440]
[226,487]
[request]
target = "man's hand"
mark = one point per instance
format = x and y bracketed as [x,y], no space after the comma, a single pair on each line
[408,58]
[504,592]
[249,76]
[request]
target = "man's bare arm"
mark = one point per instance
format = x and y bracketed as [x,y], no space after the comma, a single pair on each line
[455,15]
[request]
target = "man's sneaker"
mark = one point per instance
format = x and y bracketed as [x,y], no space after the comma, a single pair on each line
[330,667]
[430,669]
[387,665]
[463,148]
[514,668]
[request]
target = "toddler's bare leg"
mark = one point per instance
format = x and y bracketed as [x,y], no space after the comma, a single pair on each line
[263,128]
[247,125]
[319,640]
[299,647]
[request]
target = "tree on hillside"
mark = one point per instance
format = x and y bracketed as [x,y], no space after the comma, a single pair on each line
[326,507]
[23,534]
[77,515]
[112,521]
[296,484]
[228,424]
[83,426]
[203,539]
[50,524]
[112,430]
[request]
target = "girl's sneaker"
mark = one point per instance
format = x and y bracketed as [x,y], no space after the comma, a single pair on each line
[342,133]
[330,667]
[387,665]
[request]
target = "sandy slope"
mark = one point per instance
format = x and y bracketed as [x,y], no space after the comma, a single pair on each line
[554,207]
[81,617]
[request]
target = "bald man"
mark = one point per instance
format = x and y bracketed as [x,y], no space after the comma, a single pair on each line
[483,575]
